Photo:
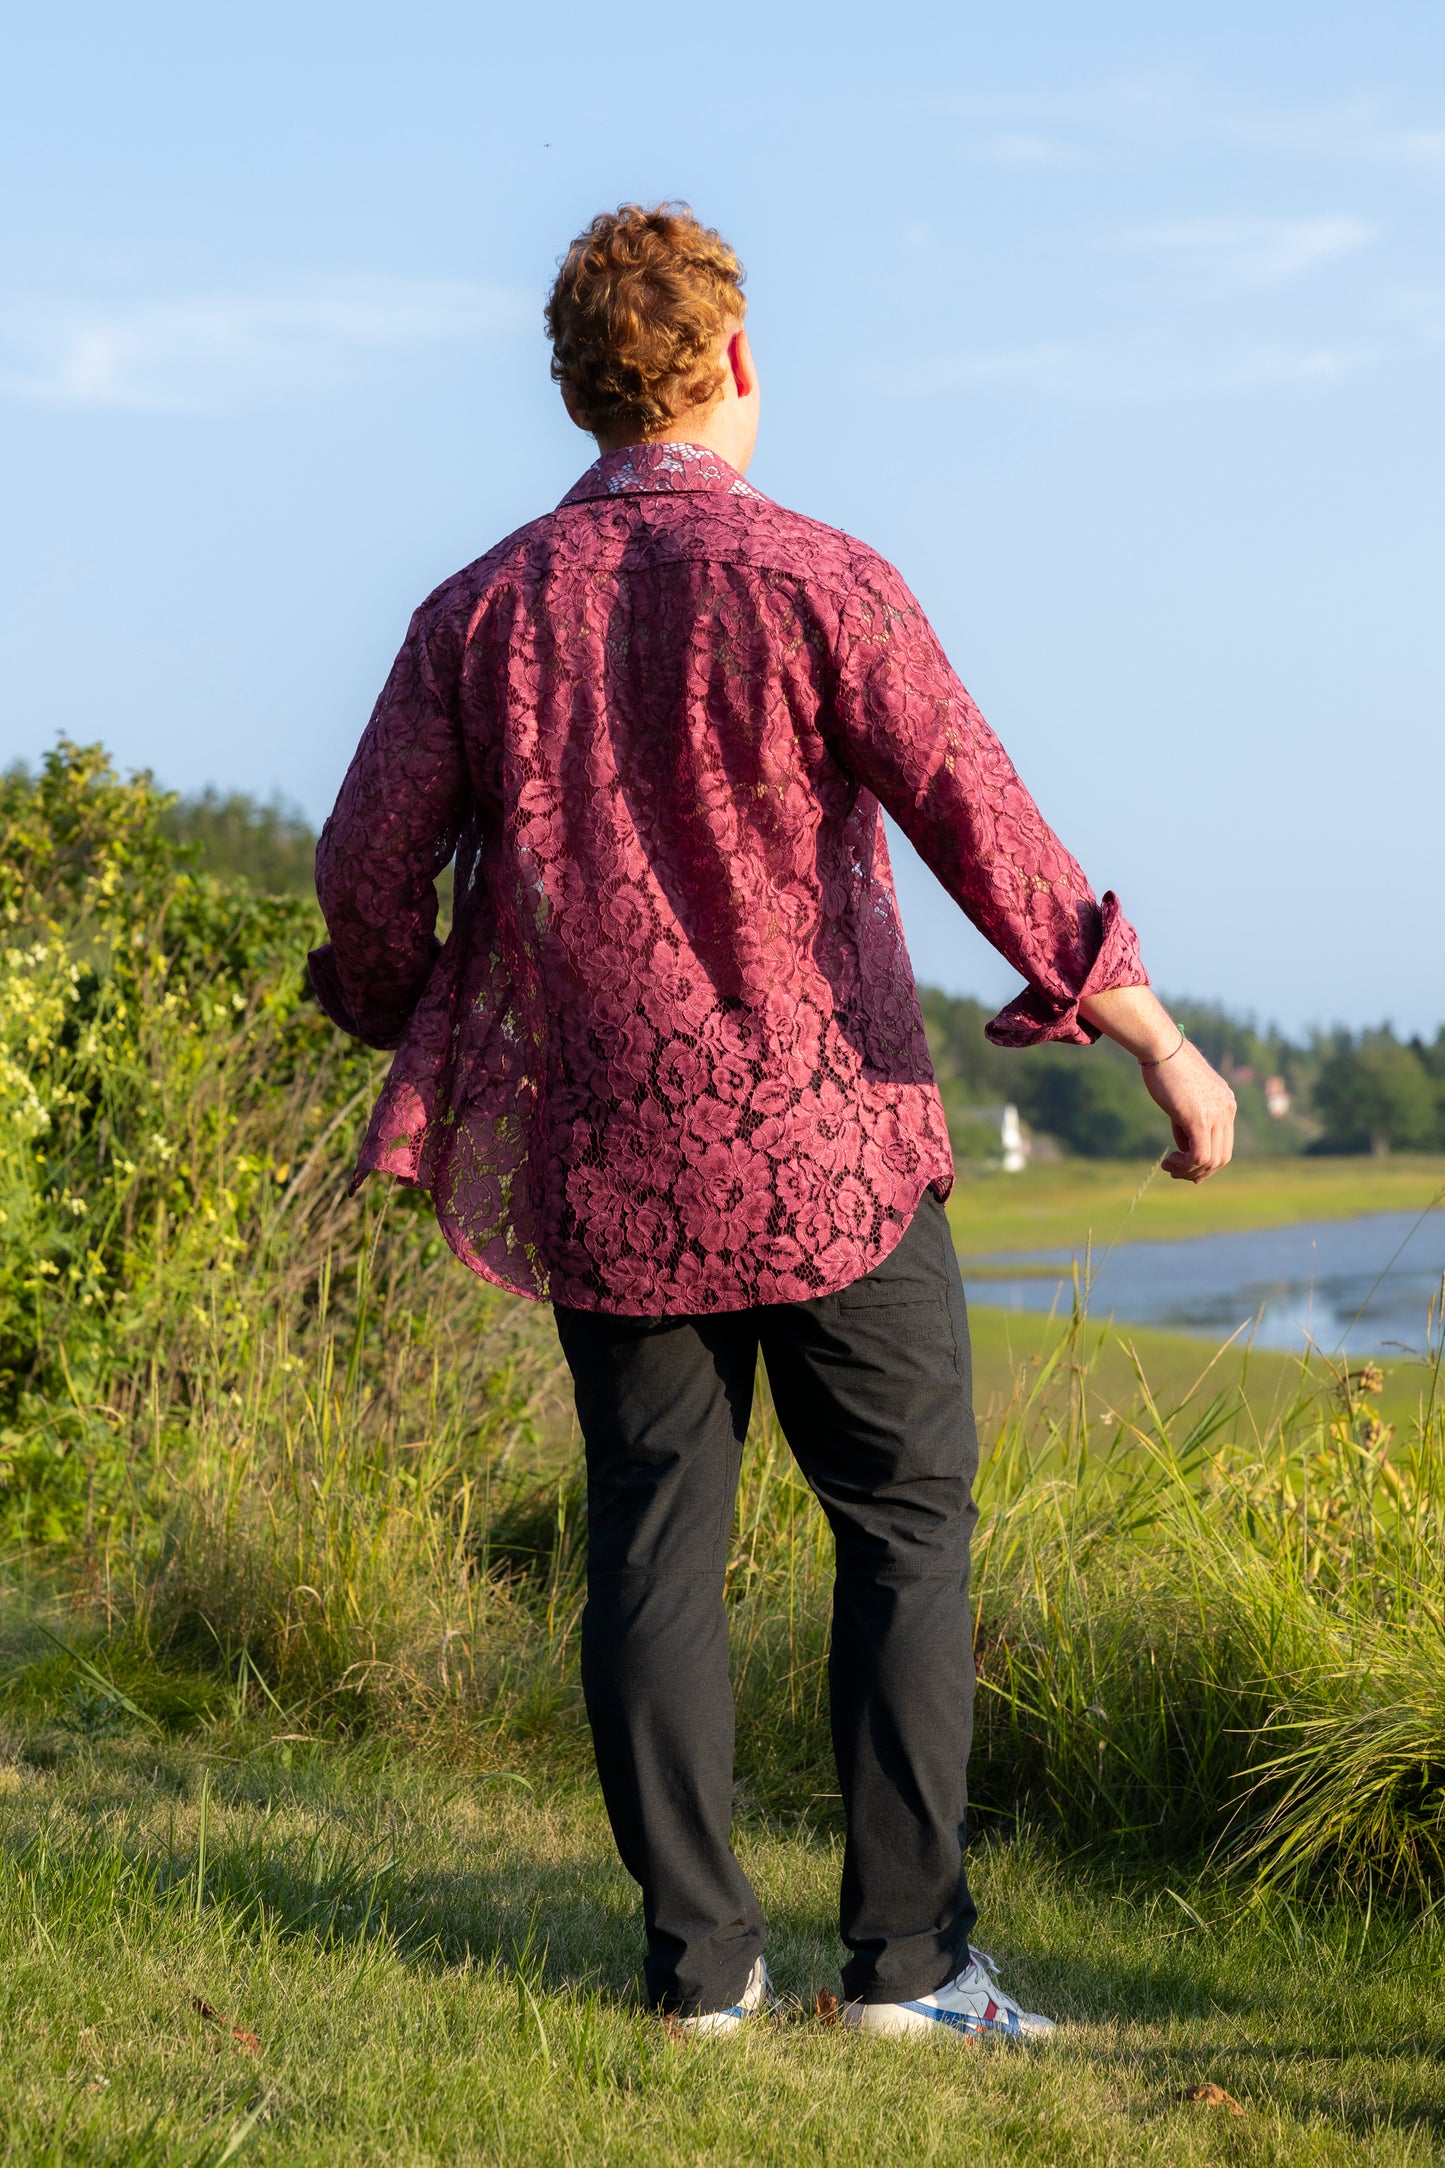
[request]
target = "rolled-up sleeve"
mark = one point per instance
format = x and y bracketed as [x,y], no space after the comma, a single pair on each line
[393,829]
[905,727]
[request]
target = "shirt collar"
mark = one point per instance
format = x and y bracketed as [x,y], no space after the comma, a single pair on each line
[647,469]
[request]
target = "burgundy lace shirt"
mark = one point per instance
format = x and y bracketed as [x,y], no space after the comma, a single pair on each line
[670,1057]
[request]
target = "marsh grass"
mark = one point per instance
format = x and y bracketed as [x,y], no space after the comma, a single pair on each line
[1205,1628]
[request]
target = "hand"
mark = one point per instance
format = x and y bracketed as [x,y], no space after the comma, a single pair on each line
[1200,1107]
[1198,1102]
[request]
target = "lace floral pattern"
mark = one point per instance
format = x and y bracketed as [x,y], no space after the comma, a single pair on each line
[670,1057]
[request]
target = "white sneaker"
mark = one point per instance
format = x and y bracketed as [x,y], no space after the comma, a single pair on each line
[755,2000]
[973,2004]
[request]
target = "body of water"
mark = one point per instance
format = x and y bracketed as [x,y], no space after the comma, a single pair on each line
[1361,1284]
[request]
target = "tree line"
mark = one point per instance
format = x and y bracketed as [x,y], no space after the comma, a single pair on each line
[1335,1091]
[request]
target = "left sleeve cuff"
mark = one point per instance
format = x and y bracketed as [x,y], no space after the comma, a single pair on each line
[326,985]
[384,1031]
[1034,1017]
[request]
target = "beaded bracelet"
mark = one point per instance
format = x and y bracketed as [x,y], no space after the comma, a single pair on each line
[1160,1060]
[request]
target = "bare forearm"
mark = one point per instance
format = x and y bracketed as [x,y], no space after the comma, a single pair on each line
[1198,1102]
[1136,1018]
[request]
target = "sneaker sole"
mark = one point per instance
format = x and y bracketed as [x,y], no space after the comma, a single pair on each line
[894,2021]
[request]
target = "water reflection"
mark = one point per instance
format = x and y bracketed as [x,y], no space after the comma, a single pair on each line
[1362,1284]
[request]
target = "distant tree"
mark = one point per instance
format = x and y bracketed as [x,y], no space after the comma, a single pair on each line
[1230,1042]
[1087,1098]
[1374,1095]
[272,845]
[954,1026]
[1432,1057]
[1431,1054]
[1091,1100]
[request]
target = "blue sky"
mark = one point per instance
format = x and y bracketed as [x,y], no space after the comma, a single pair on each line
[1119,329]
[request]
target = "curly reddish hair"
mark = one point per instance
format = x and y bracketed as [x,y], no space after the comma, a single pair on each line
[641,303]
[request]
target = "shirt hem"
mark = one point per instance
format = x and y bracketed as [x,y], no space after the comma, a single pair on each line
[892,1233]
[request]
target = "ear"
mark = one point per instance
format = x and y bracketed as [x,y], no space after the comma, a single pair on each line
[572,415]
[740,364]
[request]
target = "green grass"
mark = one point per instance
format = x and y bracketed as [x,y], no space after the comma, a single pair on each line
[1063,1204]
[302,1499]
[438,1968]
[1012,1344]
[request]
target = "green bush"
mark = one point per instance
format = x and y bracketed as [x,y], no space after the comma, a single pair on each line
[270,846]
[175,1122]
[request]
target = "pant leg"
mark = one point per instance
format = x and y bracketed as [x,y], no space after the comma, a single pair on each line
[873,1387]
[663,1406]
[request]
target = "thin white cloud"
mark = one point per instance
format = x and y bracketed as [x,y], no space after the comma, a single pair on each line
[1104,373]
[1418,310]
[1259,367]
[1172,110]
[1254,251]
[1087,106]
[1056,368]
[1018,147]
[1368,128]
[213,350]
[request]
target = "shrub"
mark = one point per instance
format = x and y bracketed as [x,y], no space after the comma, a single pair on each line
[173,1114]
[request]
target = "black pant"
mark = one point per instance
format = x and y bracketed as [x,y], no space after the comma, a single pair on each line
[874,1393]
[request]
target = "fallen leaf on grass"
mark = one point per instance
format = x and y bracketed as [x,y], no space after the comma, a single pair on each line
[825,2007]
[1210,2095]
[245,2041]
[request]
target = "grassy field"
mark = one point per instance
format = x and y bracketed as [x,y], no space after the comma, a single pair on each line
[247,1914]
[1011,1345]
[299,1857]
[1064,1204]
[262,1948]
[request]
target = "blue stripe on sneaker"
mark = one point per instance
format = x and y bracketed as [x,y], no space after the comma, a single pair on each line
[960,2020]
[964,2020]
